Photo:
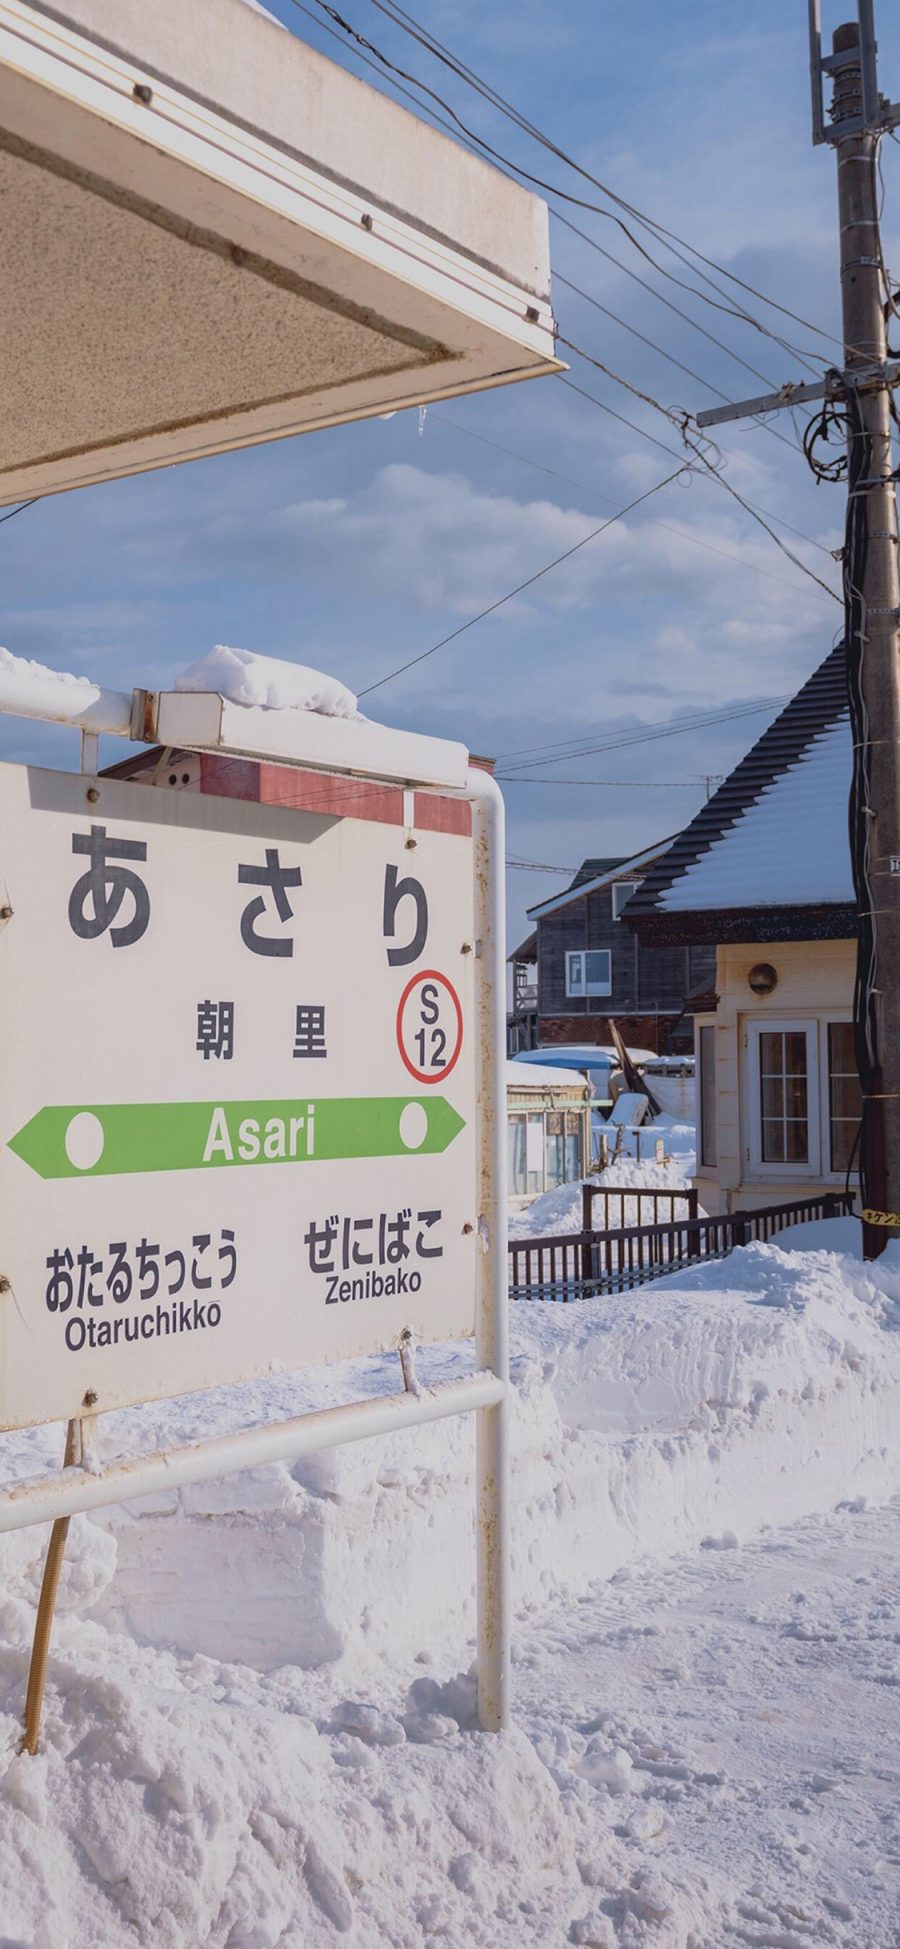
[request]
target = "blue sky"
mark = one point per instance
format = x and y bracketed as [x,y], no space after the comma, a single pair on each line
[358,547]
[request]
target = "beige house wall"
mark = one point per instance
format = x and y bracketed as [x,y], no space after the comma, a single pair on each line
[815,982]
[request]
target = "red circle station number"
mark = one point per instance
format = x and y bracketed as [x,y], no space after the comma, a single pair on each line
[429,1026]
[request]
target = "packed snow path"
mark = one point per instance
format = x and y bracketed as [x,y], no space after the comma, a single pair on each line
[706,1756]
[737,1717]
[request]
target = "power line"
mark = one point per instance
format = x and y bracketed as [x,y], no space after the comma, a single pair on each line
[454,130]
[677,416]
[656,230]
[714,473]
[661,298]
[20,509]
[698,445]
[706,384]
[575,747]
[684,534]
[621,417]
[537,866]
[401,18]
[527,584]
[751,510]
[682,421]
[614,784]
[748,505]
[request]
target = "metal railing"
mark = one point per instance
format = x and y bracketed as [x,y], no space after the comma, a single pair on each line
[589,1263]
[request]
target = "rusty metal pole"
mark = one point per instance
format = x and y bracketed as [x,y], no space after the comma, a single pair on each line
[40,1650]
[877,651]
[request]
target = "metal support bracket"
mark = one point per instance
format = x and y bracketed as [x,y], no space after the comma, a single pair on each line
[876,113]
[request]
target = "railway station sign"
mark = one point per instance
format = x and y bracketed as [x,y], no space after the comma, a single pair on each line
[237,1091]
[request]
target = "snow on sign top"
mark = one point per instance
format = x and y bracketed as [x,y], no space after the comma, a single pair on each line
[788,847]
[217,1014]
[268,682]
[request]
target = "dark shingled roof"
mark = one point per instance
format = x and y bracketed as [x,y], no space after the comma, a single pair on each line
[817,707]
[527,949]
[593,869]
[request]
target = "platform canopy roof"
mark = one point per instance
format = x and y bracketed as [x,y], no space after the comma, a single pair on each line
[213,236]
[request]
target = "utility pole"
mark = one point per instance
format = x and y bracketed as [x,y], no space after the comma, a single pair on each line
[873,617]
[861,393]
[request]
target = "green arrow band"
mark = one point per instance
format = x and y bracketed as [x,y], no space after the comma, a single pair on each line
[109,1139]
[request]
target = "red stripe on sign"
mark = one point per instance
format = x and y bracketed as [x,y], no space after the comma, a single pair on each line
[339,798]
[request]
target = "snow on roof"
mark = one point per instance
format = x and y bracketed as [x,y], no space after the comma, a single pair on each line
[788,846]
[542,1076]
[773,837]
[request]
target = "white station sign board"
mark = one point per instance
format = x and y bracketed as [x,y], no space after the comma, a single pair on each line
[237,1091]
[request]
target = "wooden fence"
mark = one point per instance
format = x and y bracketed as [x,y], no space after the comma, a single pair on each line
[590,1263]
[604,1207]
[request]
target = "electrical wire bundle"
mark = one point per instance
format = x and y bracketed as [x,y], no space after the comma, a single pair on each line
[826,426]
[865,1024]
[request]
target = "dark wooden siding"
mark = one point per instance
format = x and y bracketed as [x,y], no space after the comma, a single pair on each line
[558,934]
[669,974]
[701,969]
[643,979]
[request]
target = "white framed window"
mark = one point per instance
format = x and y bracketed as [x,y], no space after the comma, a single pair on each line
[784,1097]
[803,1099]
[621,894]
[589,972]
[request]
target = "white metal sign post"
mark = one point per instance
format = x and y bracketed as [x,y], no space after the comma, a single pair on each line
[252,1107]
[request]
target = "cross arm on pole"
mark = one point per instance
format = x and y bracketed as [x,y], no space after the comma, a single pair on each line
[833,386]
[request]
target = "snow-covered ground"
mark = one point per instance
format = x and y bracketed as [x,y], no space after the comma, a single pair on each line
[705,1756]
[256,1736]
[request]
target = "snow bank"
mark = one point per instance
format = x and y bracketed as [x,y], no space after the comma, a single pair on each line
[554,1211]
[680,1140]
[234,1754]
[245,678]
[753,1391]
[179,1807]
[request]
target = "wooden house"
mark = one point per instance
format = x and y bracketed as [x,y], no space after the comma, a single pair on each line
[764,872]
[590,968]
